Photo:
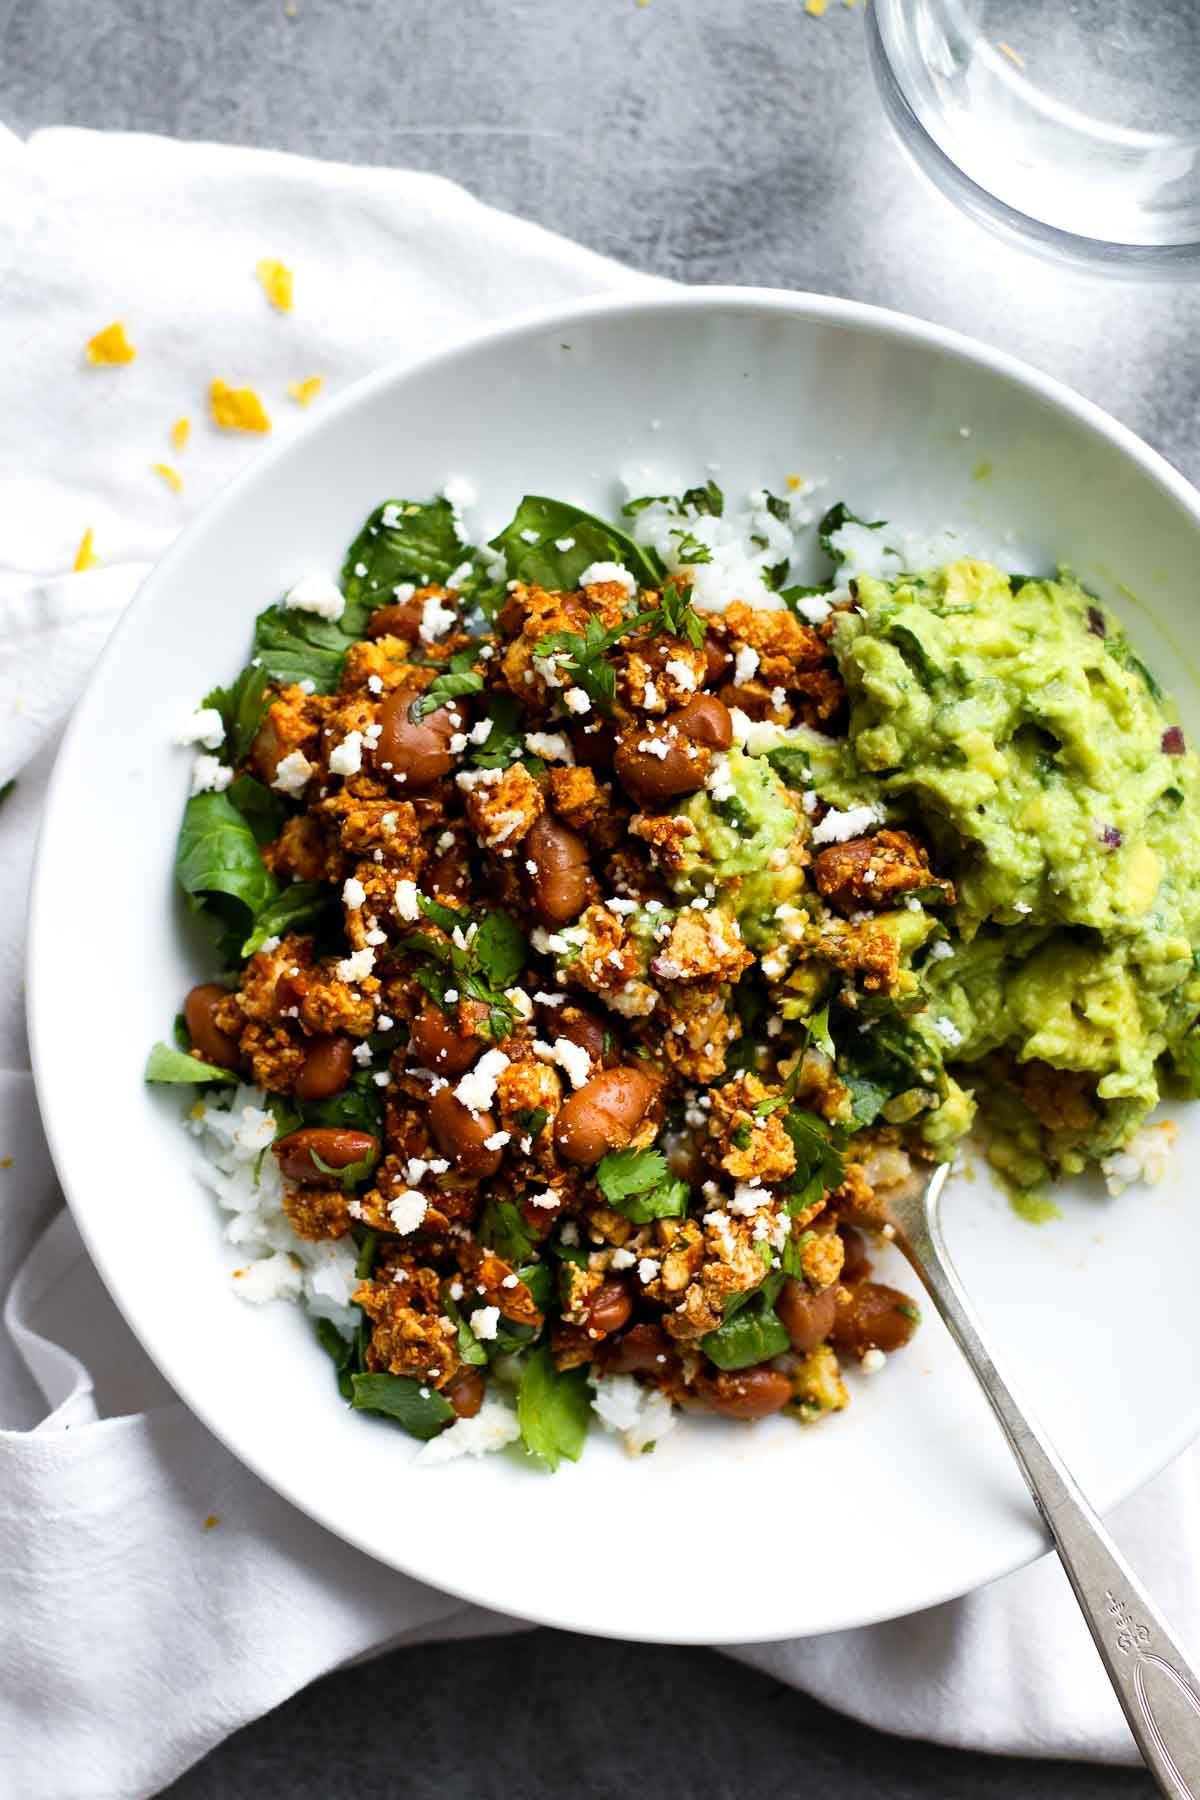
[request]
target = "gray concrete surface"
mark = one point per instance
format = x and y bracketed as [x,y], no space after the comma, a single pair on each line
[709,140]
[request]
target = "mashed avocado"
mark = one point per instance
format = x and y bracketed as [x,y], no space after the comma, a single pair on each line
[747,836]
[1010,724]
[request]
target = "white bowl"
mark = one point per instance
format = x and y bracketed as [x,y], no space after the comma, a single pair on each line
[725,1533]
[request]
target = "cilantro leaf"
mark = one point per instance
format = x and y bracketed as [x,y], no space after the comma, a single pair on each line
[553,1409]
[837,516]
[582,656]
[679,616]
[792,765]
[502,1229]
[499,948]
[690,550]
[458,679]
[243,707]
[300,904]
[638,1184]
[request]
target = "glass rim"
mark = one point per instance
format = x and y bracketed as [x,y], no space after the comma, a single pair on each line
[1162,261]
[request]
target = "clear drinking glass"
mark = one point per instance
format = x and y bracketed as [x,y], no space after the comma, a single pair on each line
[1072,126]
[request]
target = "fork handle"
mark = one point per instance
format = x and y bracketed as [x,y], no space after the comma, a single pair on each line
[1153,1680]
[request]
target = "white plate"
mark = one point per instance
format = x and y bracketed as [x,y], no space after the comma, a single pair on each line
[725,1533]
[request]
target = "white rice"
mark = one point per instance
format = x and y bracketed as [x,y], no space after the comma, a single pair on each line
[735,571]
[638,1415]
[1143,1159]
[234,1131]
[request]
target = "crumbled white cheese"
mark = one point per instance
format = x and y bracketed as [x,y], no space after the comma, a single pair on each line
[576,701]
[458,578]
[659,747]
[622,1258]
[460,492]
[814,608]
[948,1031]
[564,544]
[477,1088]
[940,949]
[353,893]
[648,1267]
[292,773]
[839,827]
[745,664]
[529,535]
[552,746]
[497,1140]
[408,906]
[485,1321]
[681,673]
[362,1055]
[572,1058]
[356,967]
[493,1426]
[436,620]
[872,1361]
[479,734]
[346,758]
[210,775]
[608,571]
[318,594]
[407,1210]
[205,727]
[546,1199]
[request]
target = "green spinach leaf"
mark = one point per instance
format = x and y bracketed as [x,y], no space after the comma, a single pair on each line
[537,558]
[752,1335]
[218,864]
[553,1409]
[263,811]
[402,541]
[421,1411]
[299,905]
[243,707]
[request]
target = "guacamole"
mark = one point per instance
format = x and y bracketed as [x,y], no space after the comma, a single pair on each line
[1009,722]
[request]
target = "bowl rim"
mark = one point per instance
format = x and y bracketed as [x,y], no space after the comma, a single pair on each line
[759,302]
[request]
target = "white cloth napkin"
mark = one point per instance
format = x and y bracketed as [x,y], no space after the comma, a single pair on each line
[137,1630]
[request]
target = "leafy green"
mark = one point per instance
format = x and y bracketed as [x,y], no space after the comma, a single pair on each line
[887,1060]
[706,499]
[533,1120]
[638,1184]
[6,789]
[341,1352]
[366,1256]
[419,1410]
[553,1409]
[500,948]
[299,905]
[819,1164]
[1120,651]
[834,519]
[690,550]
[593,540]
[538,1279]
[470,1350]
[403,540]
[352,1175]
[502,1229]
[459,679]
[753,1334]
[679,616]
[359,1106]
[167,1064]
[217,862]
[505,742]
[1185,1060]
[297,646]
[792,765]
[263,811]
[583,656]
[243,707]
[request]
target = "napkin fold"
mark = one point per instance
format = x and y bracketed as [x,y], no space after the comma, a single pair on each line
[154,1595]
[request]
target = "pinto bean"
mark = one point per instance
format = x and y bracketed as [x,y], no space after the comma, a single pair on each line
[336,1148]
[718,661]
[642,1350]
[462,1135]
[328,1066]
[402,621]
[579,1026]
[465,1393]
[856,1265]
[418,751]
[609,1307]
[705,720]
[806,1317]
[558,880]
[450,874]
[745,1393]
[215,1046]
[436,1043]
[593,747]
[603,1114]
[875,1318]
[652,779]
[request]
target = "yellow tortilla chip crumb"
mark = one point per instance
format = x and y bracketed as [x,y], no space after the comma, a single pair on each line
[306,391]
[795,483]
[6,1162]
[172,477]
[212,1520]
[181,431]
[276,280]
[110,346]
[85,556]
[1013,56]
[237,409]
[814,8]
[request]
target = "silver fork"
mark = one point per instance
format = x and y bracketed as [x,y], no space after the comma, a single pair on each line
[1155,1684]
